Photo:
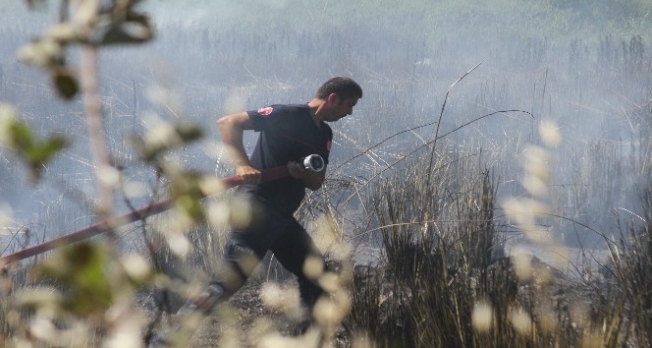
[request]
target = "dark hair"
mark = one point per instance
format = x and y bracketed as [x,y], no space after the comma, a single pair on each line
[344,87]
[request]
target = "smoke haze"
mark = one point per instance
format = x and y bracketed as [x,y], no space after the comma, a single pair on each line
[565,61]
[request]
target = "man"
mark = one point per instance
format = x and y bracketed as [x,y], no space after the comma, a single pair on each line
[288,133]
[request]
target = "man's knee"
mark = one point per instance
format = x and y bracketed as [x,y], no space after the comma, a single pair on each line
[238,264]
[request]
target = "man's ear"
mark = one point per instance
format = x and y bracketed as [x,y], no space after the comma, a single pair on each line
[333,98]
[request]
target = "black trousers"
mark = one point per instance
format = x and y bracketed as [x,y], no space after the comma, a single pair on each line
[269,231]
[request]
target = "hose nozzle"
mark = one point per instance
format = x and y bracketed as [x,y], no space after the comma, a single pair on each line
[314,163]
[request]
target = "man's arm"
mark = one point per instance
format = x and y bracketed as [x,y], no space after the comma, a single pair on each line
[231,128]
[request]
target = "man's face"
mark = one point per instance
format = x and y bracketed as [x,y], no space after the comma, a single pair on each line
[341,108]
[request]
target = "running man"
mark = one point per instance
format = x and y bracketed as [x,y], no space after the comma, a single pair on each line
[288,133]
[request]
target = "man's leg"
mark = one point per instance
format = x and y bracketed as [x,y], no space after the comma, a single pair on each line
[292,249]
[238,262]
[243,251]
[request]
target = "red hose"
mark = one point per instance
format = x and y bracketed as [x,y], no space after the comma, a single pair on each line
[140,213]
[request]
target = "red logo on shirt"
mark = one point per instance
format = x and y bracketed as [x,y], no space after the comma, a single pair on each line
[265,111]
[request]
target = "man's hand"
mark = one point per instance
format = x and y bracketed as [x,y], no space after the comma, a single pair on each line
[311,179]
[249,174]
[296,170]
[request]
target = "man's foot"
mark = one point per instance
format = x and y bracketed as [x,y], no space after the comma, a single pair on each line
[203,303]
[188,317]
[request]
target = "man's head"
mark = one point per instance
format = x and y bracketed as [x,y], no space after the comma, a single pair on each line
[344,87]
[338,96]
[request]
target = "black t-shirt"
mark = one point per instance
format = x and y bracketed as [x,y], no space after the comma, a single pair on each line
[287,133]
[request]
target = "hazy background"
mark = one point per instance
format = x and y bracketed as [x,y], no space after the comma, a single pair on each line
[584,64]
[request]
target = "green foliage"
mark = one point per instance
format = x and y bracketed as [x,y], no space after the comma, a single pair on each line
[186,191]
[19,137]
[185,187]
[134,29]
[92,25]
[82,273]
[65,83]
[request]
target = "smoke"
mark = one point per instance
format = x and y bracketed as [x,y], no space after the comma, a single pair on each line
[234,55]
[206,14]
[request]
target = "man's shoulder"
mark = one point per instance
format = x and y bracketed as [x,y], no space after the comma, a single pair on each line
[279,109]
[298,108]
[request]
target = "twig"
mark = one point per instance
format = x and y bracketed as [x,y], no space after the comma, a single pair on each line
[441,115]
[88,72]
[430,142]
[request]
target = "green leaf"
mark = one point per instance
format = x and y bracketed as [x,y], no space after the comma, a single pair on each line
[65,83]
[189,132]
[191,206]
[43,152]
[39,154]
[19,137]
[136,28]
[126,34]
[82,272]
[186,192]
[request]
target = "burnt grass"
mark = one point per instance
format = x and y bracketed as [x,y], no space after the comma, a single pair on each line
[431,278]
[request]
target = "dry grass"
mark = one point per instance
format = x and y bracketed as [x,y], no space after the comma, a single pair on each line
[442,280]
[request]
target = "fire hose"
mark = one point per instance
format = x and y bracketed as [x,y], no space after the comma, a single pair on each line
[314,163]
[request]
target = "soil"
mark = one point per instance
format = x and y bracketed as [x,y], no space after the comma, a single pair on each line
[252,321]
